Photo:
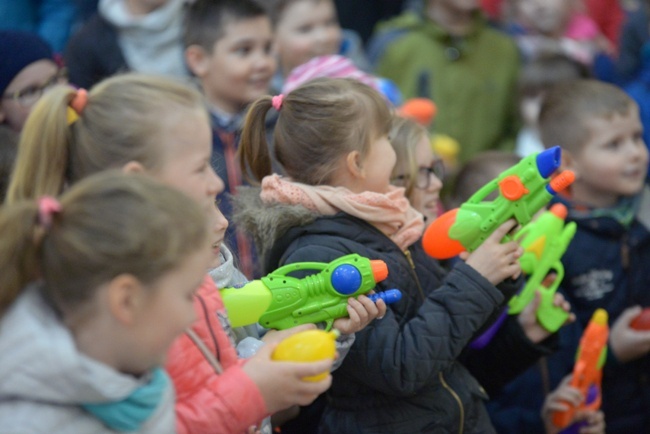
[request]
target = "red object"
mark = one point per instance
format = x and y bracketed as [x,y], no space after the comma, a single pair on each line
[642,320]
[609,16]
[436,241]
[492,8]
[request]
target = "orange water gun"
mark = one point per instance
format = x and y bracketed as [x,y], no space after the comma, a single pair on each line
[588,369]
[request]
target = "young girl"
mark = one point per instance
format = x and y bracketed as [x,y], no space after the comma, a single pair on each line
[159,127]
[401,374]
[94,290]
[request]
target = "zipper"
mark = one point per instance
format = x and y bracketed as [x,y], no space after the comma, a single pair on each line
[407,253]
[457,398]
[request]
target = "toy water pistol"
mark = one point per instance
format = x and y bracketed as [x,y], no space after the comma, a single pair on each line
[280,301]
[588,369]
[544,241]
[522,190]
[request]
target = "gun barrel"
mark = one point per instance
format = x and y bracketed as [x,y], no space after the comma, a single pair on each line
[548,161]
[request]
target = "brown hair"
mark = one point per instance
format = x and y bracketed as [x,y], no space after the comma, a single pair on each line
[568,105]
[319,122]
[548,69]
[477,172]
[119,124]
[205,20]
[109,224]
[404,135]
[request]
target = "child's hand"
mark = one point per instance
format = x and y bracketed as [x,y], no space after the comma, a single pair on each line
[496,261]
[528,317]
[280,383]
[626,343]
[557,401]
[361,311]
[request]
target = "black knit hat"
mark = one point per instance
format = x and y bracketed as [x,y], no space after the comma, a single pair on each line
[19,49]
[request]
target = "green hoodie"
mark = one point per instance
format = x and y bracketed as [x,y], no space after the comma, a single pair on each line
[472,79]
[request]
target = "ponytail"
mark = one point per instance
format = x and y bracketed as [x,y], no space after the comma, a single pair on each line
[19,250]
[43,150]
[106,225]
[254,156]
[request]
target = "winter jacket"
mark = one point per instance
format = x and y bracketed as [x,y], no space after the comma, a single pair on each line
[606,266]
[401,375]
[44,379]
[472,79]
[206,402]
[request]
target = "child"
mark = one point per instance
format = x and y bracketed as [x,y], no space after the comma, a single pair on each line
[305,29]
[556,26]
[128,35]
[521,337]
[228,47]
[94,290]
[159,127]
[606,264]
[417,170]
[447,52]
[536,77]
[27,70]
[401,374]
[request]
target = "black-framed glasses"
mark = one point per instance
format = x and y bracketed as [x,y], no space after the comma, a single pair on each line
[423,178]
[28,96]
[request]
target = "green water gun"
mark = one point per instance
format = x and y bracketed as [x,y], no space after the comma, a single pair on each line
[523,189]
[544,241]
[279,301]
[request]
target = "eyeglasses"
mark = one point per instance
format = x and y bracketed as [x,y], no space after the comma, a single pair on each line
[28,96]
[423,178]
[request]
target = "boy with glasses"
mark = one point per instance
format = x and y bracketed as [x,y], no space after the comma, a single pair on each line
[27,69]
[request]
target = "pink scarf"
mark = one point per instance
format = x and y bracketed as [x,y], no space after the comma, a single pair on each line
[391,213]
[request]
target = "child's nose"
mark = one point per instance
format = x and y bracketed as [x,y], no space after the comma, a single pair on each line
[216,184]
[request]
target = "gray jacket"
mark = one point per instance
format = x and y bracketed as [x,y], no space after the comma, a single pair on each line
[44,378]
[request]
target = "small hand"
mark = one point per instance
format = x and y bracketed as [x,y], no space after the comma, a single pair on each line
[626,343]
[362,311]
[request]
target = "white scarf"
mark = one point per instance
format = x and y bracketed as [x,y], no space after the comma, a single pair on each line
[150,43]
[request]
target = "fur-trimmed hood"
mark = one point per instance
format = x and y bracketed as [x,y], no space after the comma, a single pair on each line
[266,222]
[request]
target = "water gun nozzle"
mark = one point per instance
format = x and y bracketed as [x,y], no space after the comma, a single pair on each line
[379,269]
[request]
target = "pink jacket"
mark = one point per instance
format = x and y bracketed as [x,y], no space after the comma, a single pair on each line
[207,402]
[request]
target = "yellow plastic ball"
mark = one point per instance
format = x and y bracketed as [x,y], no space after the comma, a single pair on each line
[308,346]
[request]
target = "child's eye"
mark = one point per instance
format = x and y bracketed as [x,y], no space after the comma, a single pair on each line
[243,51]
[305,29]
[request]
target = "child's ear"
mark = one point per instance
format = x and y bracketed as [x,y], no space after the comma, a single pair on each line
[125,298]
[567,161]
[197,60]
[353,164]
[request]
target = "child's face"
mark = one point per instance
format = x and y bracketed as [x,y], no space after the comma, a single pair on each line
[546,16]
[218,226]
[612,163]
[377,166]
[186,138]
[168,311]
[241,65]
[307,29]
[24,91]
[426,199]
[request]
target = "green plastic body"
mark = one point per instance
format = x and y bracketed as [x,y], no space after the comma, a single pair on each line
[477,218]
[544,241]
[279,301]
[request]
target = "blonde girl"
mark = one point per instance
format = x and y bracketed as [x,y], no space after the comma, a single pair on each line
[94,290]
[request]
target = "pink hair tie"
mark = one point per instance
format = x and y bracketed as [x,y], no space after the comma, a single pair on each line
[276,102]
[47,207]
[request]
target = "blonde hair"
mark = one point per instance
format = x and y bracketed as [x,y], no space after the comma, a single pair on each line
[118,125]
[109,224]
[404,136]
[319,122]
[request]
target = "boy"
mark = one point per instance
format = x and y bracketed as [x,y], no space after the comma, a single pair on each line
[606,264]
[448,53]
[228,47]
